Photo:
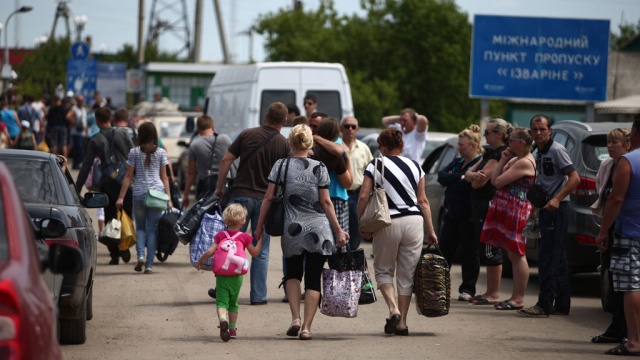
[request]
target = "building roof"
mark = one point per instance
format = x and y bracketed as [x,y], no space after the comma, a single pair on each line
[625,105]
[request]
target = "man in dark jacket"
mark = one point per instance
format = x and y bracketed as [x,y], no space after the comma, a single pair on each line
[99,146]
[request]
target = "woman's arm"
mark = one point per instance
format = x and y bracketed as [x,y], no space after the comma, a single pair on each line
[363,198]
[519,168]
[327,205]
[165,182]
[346,178]
[483,176]
[446,176]
[264,209]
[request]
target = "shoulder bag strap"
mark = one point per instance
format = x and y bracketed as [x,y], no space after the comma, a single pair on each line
[284,180]
[375,168]
[212,152]
[262,144]
[277,182]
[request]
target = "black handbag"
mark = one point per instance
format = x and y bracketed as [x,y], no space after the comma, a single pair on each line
[355,260]
[189,222]
[537,196]
[114,169]
[274,224]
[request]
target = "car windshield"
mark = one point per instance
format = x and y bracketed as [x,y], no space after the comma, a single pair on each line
[594,150]
[173,129]
[4,241]
[34,180]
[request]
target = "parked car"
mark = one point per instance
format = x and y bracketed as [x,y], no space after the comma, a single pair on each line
[27,312]
[49,192]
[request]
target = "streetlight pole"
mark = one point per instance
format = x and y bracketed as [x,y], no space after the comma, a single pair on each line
[80,21]
[6,67]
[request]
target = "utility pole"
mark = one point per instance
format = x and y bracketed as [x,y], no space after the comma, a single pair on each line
[170,16]
[249,33]
[140,32]
[197,36]
[223,38]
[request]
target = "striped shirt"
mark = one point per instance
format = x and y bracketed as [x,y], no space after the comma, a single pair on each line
[147,177]
[401,178]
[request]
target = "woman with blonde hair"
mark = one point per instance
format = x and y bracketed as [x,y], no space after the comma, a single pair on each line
[312,230]
[457,229]
[618,144]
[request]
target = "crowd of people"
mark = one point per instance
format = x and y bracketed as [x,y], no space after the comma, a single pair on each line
[329,176]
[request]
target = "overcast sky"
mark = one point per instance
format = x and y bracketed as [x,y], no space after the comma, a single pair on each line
[112,23]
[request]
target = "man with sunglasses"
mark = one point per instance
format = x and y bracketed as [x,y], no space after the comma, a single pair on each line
[414,129]
[310,104]
[360,156]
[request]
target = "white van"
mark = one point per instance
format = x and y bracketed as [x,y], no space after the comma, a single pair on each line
[238,97]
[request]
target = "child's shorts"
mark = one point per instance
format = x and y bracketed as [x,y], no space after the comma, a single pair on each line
[227,292]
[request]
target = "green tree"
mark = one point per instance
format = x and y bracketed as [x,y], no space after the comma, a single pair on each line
[129,55]
[406,53]
[42,70]
[627,32]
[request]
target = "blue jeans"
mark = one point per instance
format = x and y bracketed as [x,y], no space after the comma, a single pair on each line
[553,269]
[77,150]
[259,264]
[146,227]
[354,227]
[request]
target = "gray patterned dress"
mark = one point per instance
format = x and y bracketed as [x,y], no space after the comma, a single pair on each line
[306,227]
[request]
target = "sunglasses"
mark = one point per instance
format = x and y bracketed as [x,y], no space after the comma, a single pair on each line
[487,132]
[515,139]
[349,126]
[308,102]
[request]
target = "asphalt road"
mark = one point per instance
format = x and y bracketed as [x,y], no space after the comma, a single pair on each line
[168,315]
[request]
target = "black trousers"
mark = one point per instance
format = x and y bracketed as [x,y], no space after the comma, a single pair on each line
[459,233]
[112,189]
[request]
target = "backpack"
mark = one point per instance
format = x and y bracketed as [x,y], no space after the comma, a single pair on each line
[228,260]
[25,141]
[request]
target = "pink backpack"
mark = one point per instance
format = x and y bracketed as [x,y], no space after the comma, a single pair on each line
[230,258]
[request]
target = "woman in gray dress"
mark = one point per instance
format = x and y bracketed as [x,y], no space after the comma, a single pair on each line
[309,220]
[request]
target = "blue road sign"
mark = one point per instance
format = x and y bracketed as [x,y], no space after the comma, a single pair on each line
[81,78]
[80,50]
[539,58]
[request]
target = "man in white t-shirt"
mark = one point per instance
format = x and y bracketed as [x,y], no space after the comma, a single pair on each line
[414,129]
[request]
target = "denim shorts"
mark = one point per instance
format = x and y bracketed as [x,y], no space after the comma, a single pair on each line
[625,263]
[58,136]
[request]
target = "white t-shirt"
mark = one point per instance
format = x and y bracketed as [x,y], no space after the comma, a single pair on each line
[414,142]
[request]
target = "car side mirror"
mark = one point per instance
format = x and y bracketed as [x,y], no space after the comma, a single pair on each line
[64,259]
[95,200]
[52,228]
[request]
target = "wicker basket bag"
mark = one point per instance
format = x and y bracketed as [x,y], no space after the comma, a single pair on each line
[432,285]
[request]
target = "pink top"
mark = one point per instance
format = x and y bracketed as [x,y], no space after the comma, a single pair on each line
[230,258]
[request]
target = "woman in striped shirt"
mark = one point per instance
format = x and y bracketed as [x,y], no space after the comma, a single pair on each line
[397,248]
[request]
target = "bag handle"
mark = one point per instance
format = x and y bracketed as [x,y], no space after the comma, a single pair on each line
[439,252]
[375,168]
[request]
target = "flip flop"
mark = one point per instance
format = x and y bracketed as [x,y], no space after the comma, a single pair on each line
[534,311]
[604,339]
[506,305]
[392,323]
[294,329]
[481,300]
[621,350]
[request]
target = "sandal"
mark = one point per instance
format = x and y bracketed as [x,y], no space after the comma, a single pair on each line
[481,300]
[621,350]
[506,305]
[402,332]
[534,311]
[305,335]
[604,339]
[224,331]
[392,323]
[294,329]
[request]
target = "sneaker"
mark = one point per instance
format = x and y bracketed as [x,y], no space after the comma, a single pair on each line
[464,297]
[212,293]
[148,270]
[139,265]
[224,331]
[114,262]
[232,333]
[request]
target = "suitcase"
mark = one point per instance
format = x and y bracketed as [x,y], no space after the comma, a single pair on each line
[166,237]
[432,285]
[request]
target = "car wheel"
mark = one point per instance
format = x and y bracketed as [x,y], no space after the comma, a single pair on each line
[74,331]
[90,304]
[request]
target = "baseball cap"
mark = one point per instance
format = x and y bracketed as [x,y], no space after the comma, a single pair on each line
[25,124]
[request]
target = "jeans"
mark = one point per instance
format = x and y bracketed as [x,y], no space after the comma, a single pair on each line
[77,150]
[146,228]
[260,263]
[553,269]
[354,227]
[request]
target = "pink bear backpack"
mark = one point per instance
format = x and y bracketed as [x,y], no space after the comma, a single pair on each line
[230,258]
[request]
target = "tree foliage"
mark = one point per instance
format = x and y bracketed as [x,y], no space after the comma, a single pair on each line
[403,53]
[627,32]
